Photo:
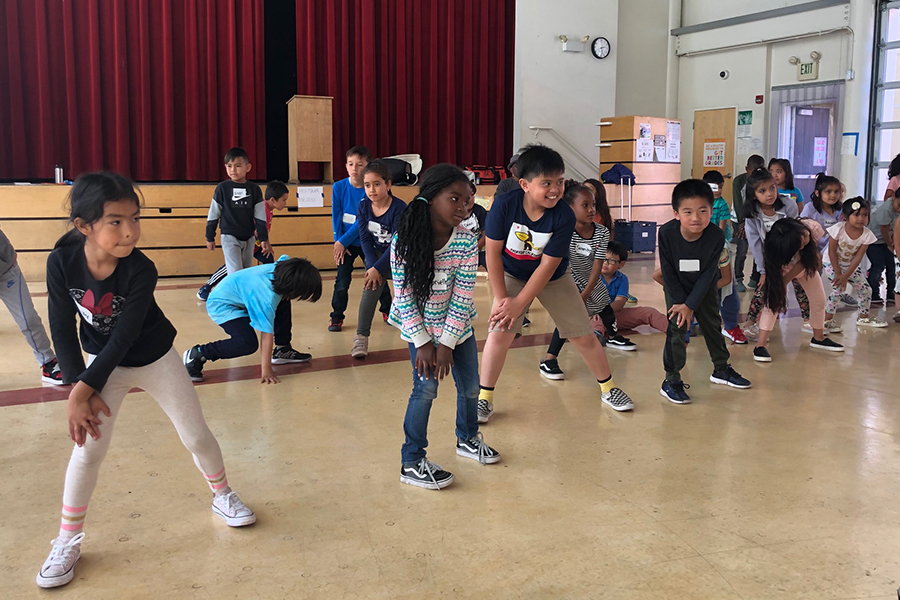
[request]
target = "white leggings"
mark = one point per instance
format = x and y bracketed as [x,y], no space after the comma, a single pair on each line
[167,381]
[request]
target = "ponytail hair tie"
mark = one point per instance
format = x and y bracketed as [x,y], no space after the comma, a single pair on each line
[856,206]
[422,198]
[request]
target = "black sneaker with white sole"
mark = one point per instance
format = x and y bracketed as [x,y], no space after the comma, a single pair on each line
[550,369]
[826,344]
[476,449]
[193,362]
[617,400]
[425,474]
[621,343]
[485,411]
[761,354]
[728,376]
[286,354]
[51,374]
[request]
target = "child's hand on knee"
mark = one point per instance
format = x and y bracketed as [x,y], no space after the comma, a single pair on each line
[681,313]
[373,279]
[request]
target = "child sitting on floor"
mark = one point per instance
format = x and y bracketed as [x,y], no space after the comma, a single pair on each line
[617,285]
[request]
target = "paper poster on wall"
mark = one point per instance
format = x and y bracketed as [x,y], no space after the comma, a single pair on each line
[673,141]
[746,146]
[820,151]
[659,148]
[850,143]
[714,153]
[644,150]
[310,197]
[745,123]
[645,131]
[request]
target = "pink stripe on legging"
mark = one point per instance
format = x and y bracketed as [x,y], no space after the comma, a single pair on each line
[71,509]
[219,486]
[217,475]
[67,527]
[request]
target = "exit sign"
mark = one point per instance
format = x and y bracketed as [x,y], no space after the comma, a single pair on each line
[808,71]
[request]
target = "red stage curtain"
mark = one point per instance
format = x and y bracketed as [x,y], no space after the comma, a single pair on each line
[433,77]
[155,89]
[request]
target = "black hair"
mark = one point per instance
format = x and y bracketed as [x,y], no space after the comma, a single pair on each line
[617,248]
[573,188]
[415,234]
[537,160]
[236,153]
[360,151]
[859,202]
[714,177]
[822,182]
[692,188]
[275,190]
[602,204]
[89,196]
[751,204]
[297,279]
[379,168]
[785,165]
[755,161]
[781,245]
[472,187]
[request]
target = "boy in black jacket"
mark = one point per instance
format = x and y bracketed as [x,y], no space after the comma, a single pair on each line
[689,251]
[238,209]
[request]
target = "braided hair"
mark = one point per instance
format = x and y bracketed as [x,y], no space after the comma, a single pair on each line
[415,235]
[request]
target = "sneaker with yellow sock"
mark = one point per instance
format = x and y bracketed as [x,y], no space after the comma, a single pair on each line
[617,399]
[485,405]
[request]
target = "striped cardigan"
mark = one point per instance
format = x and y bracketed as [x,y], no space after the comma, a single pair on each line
[450,308]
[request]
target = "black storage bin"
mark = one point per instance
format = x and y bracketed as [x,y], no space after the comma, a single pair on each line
[637,236]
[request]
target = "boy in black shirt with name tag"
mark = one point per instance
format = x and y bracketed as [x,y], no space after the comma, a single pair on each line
[689,251]
[238,209]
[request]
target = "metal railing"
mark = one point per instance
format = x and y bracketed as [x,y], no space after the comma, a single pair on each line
[537,129]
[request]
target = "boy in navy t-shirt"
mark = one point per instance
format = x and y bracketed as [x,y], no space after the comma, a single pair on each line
[527,249]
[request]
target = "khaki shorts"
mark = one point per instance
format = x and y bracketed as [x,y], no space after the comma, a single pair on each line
[561,299]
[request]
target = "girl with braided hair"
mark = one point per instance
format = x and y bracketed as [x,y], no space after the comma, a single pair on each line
[433,264]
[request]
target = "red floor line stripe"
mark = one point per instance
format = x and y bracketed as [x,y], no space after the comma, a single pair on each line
[249,372]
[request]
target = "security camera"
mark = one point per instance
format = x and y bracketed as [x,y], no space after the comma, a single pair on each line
[724,74]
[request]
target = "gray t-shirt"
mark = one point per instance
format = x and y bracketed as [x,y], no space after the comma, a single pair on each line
[883,214]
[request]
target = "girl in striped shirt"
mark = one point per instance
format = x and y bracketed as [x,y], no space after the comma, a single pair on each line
[433,264]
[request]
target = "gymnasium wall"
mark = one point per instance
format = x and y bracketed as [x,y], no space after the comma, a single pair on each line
[566,91]
[642,61]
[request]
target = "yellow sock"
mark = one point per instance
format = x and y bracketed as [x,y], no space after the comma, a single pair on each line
[606,386]
[488,395]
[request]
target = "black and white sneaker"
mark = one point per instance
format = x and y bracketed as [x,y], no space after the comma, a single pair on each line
[674,392]
[618,400]
[485,411]
[826,344]
[476,449]
[621,342]
[728,376]
[425,474]
[51,374]
[761,354]
[550,369]
[286,354]
[193,361]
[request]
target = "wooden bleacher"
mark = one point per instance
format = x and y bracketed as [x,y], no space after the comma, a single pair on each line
[172,226]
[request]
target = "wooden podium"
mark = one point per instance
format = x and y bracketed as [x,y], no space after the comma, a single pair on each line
[310,134]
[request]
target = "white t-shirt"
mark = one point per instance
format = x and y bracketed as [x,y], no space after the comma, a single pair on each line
[847,246]
[768,221]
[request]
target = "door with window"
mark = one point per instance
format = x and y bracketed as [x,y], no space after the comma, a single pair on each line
[811,147]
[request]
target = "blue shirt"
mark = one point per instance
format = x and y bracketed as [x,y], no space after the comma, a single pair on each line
[247,293]
[375,233]
[617,286]
[526,241]
[345,201]
[795,194]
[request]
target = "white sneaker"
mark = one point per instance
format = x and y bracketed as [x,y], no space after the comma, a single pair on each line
[870,322]
[752,332]
[59,568]
[229,507]
[360,347]
[806,327]
[831,326]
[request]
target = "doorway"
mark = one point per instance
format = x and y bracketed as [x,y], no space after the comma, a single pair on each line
[714,145]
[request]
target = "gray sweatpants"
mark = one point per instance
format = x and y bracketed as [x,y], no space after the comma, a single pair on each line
[238,254]
[14,293]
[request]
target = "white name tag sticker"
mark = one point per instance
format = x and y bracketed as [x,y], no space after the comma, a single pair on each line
[349,218]
[689,265]
[583,249]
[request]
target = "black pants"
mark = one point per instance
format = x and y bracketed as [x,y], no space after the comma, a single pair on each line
[707,315]
[341,295]
[243,340]
[882,260]
[607,315]
[740,256]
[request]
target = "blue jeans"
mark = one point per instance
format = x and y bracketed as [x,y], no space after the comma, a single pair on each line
[730,307]
[465,375]
[340,298]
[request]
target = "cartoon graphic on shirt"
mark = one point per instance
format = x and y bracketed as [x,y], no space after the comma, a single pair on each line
[525,244]
[101,313]
[380,232]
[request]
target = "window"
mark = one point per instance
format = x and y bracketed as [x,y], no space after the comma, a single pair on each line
[885,139]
